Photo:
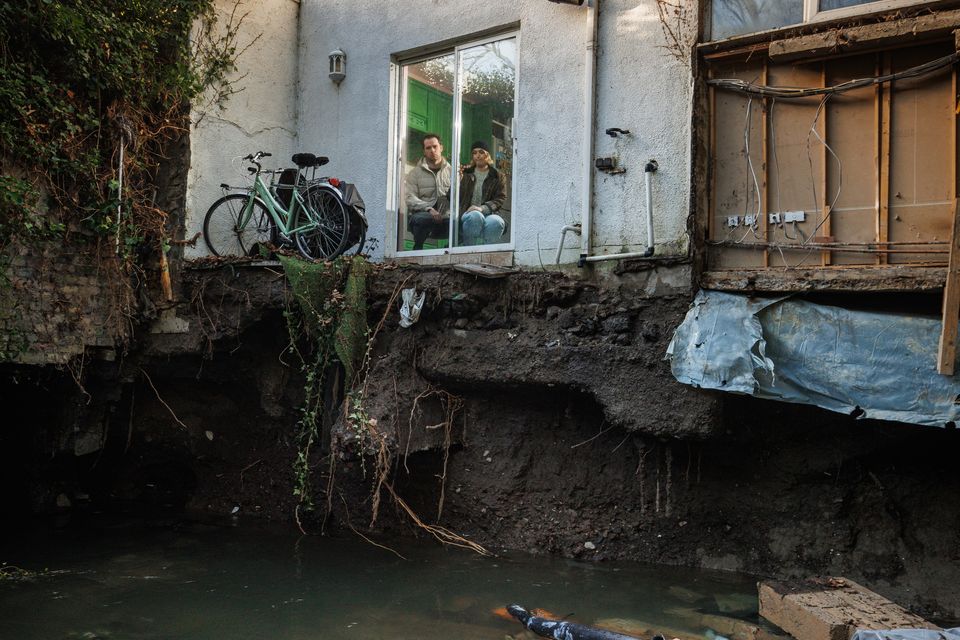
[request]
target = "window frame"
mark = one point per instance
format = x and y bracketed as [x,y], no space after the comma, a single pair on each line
[813,14]
[398,142]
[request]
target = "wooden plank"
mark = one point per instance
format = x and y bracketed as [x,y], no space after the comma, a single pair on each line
[764,222]
[824,169]
[887,278]
[853,136]
[712,197]
[746,52]
[791,173]
[831,609]
[907,31]
[921,180]
[883,185]
[947,353]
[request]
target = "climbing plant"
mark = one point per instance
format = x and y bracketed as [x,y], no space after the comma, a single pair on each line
[92,90]
[327,323]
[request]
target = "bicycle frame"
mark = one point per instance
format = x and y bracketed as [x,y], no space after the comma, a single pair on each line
[283,218]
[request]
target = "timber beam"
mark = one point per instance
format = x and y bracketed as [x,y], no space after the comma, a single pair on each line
[888,278]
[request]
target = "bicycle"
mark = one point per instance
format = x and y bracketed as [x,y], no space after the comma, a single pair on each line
[313,214]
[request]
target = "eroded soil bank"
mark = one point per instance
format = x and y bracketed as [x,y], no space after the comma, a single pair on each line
[572,437]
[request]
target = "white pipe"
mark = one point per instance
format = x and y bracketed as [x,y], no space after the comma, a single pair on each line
[647,172]
[618,256]
[563,234]
[589,91]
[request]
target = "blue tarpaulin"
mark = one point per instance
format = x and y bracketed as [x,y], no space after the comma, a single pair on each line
[908,634]
[868,364]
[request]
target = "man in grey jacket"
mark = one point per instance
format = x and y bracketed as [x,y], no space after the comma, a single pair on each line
[427,193]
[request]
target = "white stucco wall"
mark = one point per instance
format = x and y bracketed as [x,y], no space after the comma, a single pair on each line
[261,117]
[640,87]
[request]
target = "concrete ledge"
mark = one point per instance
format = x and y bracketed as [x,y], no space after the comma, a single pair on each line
[831,609]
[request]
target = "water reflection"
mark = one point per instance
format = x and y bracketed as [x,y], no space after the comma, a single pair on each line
[234,583]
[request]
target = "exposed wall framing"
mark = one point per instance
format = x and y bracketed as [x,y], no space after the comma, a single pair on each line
[874,169]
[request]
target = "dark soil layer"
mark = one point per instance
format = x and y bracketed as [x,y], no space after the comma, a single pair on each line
[574,439]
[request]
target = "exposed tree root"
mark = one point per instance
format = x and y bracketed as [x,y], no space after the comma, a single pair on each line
[442,534]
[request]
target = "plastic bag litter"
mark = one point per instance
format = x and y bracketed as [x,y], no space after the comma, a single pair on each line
[410,307]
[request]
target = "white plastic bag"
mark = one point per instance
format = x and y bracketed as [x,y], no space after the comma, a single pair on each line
[411,306]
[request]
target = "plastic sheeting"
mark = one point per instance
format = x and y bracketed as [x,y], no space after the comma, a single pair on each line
[908,634]
[867,364]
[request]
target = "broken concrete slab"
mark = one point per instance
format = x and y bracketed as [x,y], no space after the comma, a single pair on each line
[831,609]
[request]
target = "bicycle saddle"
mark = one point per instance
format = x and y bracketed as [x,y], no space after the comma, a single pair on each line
[304,160]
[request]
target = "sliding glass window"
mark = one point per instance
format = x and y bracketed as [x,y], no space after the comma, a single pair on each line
[456,155]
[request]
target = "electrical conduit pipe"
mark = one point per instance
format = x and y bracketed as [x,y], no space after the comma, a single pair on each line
[648,171]
[589,97]
[563,234]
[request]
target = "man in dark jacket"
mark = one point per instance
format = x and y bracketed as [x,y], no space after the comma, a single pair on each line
[482,194]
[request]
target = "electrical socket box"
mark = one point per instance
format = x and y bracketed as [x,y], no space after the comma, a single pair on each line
[774,218]
[750,220]
[733,221]
[794,216]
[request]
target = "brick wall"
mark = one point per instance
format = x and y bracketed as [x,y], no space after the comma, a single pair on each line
[57,301]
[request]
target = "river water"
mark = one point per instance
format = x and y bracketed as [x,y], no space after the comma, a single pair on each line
[131,581]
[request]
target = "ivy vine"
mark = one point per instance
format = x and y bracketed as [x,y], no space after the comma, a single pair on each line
[89,87]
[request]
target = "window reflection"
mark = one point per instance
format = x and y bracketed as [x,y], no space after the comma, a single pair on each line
[735,17]
[425,190]
[827,5]
[488,85]
[456,153]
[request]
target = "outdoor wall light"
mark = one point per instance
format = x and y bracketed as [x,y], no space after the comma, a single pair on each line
[338,66]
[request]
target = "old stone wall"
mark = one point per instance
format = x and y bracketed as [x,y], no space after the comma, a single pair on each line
[60,300]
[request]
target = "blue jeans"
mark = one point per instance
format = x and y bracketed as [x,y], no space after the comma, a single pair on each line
[480,229]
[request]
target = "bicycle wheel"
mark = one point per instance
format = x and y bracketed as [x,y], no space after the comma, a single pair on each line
[357,237]
[329,224]
[228,234]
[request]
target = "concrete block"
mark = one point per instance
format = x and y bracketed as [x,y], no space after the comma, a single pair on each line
[831,609]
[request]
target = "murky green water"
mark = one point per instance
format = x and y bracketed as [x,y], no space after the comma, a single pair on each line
[135,582]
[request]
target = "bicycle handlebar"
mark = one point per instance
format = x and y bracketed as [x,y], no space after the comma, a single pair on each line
[254,158]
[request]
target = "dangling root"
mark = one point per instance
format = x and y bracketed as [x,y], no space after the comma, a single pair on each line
[442,534]
[451,406]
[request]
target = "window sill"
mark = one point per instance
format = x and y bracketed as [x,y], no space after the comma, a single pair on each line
[852,33]
[496,258]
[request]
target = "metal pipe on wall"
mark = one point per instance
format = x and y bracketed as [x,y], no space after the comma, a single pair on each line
[589,91]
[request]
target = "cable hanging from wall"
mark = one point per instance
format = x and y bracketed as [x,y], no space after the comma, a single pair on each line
[742,86]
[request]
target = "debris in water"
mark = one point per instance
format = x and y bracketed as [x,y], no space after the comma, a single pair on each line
[561,629]
[589,545]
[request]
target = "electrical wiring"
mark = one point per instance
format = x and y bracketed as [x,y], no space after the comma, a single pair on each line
[742,86]
[747,130]
[813,182]
[836,247]
[806,240]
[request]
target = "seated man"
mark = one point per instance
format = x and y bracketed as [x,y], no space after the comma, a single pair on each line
[427,193]
[482,193]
